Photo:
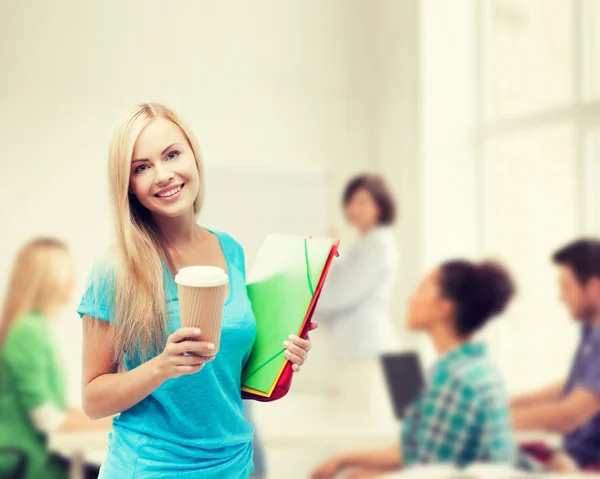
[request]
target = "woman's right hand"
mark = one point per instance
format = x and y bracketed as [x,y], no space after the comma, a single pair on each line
[328,469]
[185,353]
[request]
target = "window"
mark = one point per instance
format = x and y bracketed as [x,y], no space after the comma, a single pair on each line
[539,137]
[591,46]
[593,181]
[529,56]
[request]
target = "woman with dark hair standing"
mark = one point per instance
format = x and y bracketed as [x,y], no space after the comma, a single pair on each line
[462,416]
[357,296]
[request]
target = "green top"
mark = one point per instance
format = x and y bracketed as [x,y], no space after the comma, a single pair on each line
[30,376]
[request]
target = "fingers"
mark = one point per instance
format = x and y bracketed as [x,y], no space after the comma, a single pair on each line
[183,370]
[317,474]
[324,471]
[185,365]
[191,360]
[295,360]
[297,346]
[185,353]
[294,353]
[363,474]
[184,333]
[200,348]
[313,325]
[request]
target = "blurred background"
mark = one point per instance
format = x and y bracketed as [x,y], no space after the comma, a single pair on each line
[483,116]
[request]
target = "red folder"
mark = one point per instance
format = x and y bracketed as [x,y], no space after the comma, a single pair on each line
[285,379]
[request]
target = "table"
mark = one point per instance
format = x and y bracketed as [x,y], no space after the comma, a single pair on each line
[80,448]
[311,431]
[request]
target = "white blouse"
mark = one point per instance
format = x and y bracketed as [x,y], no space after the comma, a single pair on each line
[356,298]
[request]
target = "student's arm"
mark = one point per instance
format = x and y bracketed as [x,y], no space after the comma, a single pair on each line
[107,392]
[547,394]
[570,412]
[563,416]
[379,461]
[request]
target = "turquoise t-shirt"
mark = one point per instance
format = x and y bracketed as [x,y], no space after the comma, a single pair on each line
[192,426]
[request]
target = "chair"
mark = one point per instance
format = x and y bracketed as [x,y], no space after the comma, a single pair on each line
[20,458]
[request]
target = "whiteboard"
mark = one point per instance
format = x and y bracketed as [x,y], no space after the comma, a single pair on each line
[251,202]
[247,202]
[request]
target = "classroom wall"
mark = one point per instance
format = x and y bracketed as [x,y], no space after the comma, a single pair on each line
[339,86]
[264,83]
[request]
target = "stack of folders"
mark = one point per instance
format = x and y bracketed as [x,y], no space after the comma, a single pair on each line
[283,286]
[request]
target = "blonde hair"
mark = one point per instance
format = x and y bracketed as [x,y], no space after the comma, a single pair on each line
[139,322]
[37,282]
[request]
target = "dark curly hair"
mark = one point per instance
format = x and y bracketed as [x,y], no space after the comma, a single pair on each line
[478,291]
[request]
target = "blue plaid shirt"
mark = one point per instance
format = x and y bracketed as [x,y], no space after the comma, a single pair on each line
[462,416]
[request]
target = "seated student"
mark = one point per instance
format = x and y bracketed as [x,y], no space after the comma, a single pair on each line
[462,416]
[572,407]
[32,396]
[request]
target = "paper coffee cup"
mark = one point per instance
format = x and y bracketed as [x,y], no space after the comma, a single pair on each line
[202,292]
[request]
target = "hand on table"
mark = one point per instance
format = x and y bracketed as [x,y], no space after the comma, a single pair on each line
[328,469]
[363,474]
[333,467]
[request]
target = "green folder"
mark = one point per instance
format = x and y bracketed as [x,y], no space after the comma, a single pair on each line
[281,287]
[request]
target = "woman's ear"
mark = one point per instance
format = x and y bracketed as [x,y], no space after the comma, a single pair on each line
[446,308]
[592,287]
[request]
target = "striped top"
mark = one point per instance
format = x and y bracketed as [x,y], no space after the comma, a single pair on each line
[357,295]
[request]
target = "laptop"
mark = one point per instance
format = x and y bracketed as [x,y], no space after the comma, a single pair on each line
[404,379]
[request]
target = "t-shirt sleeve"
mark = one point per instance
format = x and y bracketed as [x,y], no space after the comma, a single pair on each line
[27,353]
[98,299]
[590,378]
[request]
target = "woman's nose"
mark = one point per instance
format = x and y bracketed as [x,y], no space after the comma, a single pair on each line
[163,175]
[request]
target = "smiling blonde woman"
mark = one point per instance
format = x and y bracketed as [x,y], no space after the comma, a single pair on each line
[181,411]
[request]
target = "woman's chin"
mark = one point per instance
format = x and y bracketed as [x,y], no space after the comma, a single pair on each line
[414,326]
[173,212]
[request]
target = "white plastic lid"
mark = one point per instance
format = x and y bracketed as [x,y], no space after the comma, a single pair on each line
[201,276]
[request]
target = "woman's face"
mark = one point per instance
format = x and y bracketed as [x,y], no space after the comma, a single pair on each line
[427,306]
[362,211]
[164,176]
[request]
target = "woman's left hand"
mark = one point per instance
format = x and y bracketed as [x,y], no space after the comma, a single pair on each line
[296,349]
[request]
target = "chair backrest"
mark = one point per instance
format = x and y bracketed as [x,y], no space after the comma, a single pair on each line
[404,378]
[20,459]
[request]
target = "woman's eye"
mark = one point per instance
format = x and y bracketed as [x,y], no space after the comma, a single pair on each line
[140,168]
[172,155]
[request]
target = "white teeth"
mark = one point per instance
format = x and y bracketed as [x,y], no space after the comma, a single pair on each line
[170,192]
